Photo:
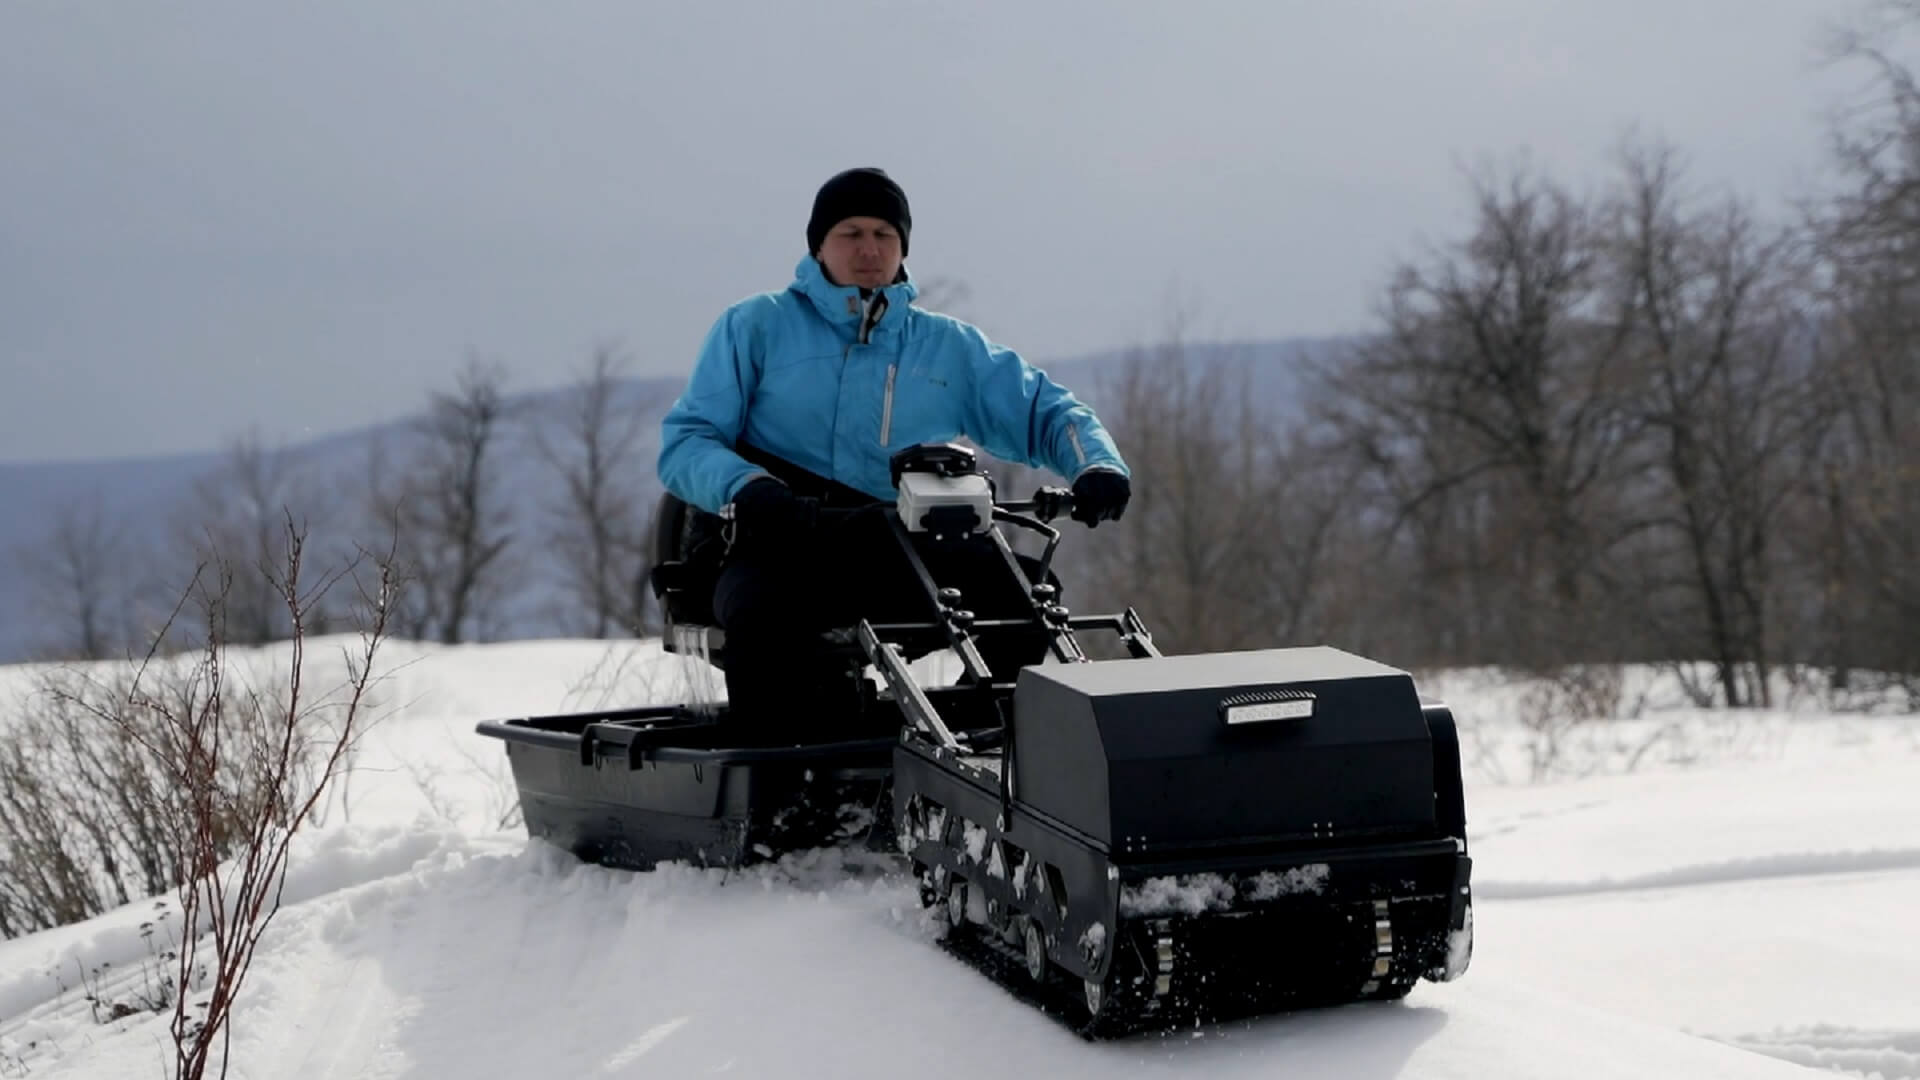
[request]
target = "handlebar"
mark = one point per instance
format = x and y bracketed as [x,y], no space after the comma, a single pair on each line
[1047,503]
[1033,513]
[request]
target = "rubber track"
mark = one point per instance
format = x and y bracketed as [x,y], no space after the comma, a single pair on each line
[1061,996]
[1130,1008]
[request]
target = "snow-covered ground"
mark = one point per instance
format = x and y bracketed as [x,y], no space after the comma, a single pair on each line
[1737,903]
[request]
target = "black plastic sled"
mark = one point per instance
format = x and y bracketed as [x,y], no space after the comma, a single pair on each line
[638,787]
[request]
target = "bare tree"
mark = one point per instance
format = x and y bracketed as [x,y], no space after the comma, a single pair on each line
[1220,546]
[446,500]
[238,509]
[286,762]
[1870,503]
[77,581]
[1310,565]
[1712,315]
[599,522]
[1488,416]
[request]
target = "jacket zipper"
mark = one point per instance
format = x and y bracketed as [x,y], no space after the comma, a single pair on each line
[876,309]
[1073,436]
[886,406]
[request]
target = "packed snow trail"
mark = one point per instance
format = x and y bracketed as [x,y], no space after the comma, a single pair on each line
[1887,1055]
[508,959]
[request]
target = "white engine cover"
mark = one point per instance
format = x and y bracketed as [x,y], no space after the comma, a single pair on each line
[922,493]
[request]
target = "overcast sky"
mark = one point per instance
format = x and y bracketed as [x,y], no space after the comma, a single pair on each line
[216,214]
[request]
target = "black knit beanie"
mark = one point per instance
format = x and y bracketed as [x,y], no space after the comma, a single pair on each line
[858,193]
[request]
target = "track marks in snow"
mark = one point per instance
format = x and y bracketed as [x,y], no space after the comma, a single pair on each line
[1885,1055]
[1734,870]
[638,1048]
[48,967]
[349,1016]
[1507,826]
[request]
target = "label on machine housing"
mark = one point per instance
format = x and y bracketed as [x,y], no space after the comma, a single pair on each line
[945,504]
[1267,705]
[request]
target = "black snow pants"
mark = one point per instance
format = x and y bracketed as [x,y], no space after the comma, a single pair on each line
[774,598]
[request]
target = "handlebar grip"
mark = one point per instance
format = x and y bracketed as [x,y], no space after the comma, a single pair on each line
[1047,503]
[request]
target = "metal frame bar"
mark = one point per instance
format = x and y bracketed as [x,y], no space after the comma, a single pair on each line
[907,693]
[959,638]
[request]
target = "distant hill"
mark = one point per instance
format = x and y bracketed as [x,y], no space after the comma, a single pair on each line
[147,498]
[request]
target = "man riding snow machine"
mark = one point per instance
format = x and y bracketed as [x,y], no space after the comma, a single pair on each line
[1132,842]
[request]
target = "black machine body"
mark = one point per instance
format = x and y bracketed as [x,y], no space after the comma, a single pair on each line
[1136,841]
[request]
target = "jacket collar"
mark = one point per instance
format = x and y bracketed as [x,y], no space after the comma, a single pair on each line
[842,305]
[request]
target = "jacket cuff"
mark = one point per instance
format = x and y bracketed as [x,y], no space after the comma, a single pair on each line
[748,478]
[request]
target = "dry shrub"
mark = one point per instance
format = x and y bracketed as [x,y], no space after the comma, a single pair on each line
[124,781]
[1555,705]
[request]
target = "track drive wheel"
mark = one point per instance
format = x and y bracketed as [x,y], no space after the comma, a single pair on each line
[1034,947]
[1113,1005]
[957,903]
[1094,995]
[928,887]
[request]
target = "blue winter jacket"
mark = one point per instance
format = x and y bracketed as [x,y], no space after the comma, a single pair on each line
[819,378]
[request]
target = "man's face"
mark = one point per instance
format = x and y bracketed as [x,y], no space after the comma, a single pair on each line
[862,251]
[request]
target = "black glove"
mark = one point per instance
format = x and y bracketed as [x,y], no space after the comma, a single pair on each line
[1100,495]
[767,509]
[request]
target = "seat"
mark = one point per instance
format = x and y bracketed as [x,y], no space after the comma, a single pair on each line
[684,557]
